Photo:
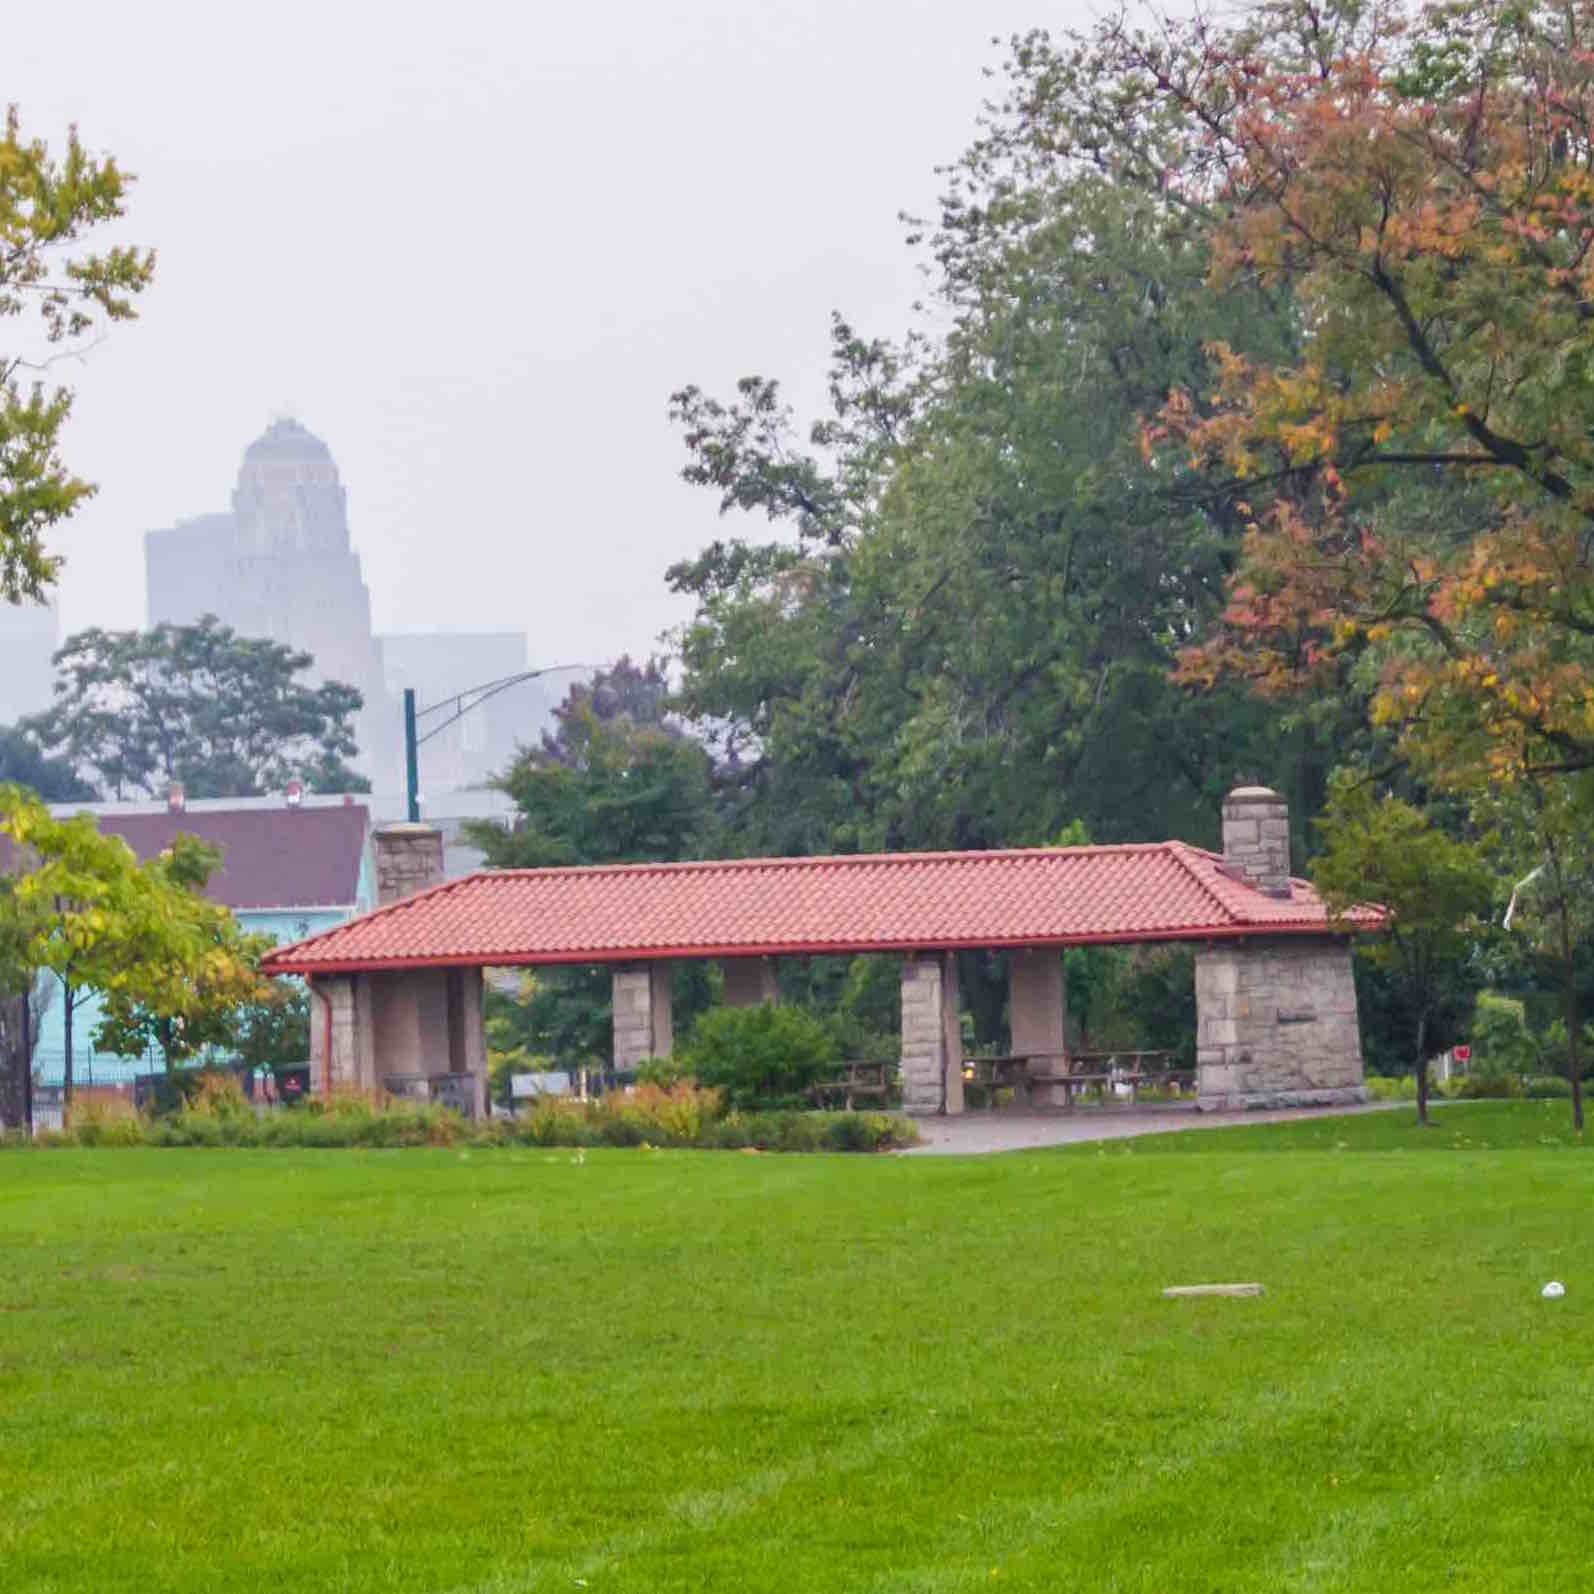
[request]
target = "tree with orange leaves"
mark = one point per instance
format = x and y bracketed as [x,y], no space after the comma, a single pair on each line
[1419,481]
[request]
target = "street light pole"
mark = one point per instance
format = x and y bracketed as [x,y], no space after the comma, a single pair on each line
[462,703]
[412,759]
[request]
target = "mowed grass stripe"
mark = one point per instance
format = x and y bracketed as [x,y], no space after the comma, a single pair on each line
[413,1370]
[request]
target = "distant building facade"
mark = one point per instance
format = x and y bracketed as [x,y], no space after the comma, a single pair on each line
[287,870]
[282,564]
[29,636]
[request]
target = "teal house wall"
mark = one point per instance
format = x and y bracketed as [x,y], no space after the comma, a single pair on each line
[285,923]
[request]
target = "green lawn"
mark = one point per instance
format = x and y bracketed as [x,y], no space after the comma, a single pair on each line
[514,1369]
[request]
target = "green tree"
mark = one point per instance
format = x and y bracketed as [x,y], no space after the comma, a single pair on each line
[1545,826]
[273,1032]
[83,906]
[223,715]
[24,763]
[60,294]
[614,782]
[967,641]
[1434,889]
[210,1010]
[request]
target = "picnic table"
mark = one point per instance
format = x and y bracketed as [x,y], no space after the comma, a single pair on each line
[1077,1072]
[869,1078]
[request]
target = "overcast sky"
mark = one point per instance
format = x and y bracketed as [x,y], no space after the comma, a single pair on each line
[475,247]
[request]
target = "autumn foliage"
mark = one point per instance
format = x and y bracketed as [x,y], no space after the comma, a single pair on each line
[1418,484]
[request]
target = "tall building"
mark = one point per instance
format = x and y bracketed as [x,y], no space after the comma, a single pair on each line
[281,564]
[29,635]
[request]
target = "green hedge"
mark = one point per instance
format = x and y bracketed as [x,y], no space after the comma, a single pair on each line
[680,1116]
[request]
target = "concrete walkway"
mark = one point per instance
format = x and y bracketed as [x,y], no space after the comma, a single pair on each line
[1016,1129]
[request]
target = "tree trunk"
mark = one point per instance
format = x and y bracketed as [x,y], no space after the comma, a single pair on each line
[27,1060]
[67,1004]
[1569,1015]
[1574,1067]
[1422,1068]
[14,1062]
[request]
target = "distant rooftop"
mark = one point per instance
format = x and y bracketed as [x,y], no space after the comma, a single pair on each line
[273,856]
[287,439]
[450,813]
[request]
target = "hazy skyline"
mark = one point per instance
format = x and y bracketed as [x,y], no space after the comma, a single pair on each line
[474,248]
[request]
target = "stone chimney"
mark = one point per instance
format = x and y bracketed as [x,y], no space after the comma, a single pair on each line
[1256,839]
[176,798]
[408,859]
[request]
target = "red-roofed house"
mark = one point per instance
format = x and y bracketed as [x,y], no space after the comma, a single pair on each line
[399,988]
[288,870]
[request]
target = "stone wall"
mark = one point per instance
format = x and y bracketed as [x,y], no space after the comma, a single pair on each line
[1276,1024]
[351,1031]
[1035,1003]
[409,858]
[932,1048]
[643,1025]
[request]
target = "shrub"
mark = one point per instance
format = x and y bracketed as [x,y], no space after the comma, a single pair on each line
[1485,1087]
[868,1131]
[679,1110]
[103,1121]
[1501,1039]
[1382,1088]
[765,1056]
[1547,1087]
[664,1071]
[217,1095]
[680,1115]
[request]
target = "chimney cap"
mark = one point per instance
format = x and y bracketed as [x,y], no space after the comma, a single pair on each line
[1253,794]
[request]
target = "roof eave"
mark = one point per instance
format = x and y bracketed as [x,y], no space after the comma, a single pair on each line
[286,964]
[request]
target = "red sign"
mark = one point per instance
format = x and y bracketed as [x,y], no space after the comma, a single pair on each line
[1462,1054]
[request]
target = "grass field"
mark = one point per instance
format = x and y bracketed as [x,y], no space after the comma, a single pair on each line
[516,1369]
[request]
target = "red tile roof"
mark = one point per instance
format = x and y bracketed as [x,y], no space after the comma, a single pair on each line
[281,858]
[882,903]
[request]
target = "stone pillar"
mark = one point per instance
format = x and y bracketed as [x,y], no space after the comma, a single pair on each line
[409,858]
[340,1014]
[749,981]
[643,1023]
[467,1033]
[1256,839]
[1276,1024]
[1035,999]
[932,1041]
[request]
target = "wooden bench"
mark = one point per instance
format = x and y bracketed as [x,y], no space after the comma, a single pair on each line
[1098,1070]
[870,1079]
[992,1074]
[1081,1072]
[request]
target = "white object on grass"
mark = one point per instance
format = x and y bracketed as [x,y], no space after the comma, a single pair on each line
[1554,1290]
[1213,1289]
